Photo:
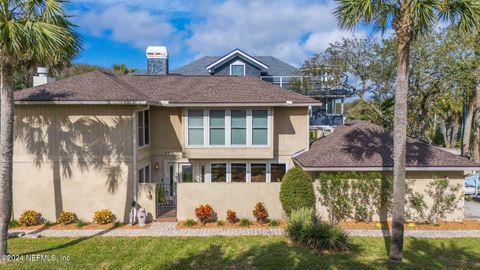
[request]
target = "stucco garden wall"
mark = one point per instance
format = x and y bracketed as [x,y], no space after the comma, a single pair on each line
[242,197]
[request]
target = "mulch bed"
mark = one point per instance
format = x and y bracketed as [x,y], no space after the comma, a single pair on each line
[90,226]
[254,225]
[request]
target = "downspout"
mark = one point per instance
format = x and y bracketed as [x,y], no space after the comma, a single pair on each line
[134,164]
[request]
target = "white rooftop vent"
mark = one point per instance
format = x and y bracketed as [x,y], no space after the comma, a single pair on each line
[42,77]
[157,52]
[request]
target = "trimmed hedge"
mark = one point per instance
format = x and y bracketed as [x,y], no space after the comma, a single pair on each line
[296,191]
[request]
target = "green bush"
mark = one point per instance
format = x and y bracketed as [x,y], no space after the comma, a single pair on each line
[220,223]
[13,223]
[304,228]
[296,190]
[245,222]
[354,195]
[190,223]
[273,223]
[444,201]
[80,223]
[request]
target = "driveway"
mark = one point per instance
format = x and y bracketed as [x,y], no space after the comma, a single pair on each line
[472,210]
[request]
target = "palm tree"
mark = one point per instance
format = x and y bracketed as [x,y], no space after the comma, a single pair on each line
[32,32]
[408,18]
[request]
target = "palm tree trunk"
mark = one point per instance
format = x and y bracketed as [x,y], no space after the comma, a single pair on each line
[468,128]
[6,153]
[476,154]
[399,147]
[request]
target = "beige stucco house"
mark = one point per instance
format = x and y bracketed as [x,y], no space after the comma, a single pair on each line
[169,143]
[96,141]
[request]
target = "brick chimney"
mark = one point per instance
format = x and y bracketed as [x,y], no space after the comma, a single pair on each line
[157,60]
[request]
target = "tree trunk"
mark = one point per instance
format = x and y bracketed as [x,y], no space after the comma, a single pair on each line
[400,143]
[468,128]
[476,154]
[6,153]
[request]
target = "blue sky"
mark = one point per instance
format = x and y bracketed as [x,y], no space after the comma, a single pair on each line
[118,31]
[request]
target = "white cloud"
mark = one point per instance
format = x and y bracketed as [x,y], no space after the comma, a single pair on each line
[136,27]
[266,28]
[290,30]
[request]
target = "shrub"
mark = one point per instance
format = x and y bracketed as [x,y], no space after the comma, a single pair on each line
[103,216]
[190,223]
[334,192]
[274,223]
[13,223]
[260,213]
[29,218]
[296,190]
[245,222]
[231,216]
[355,195]
[117,224]
[204,213]
[220,223]
[444,201]
[66,218]
[80,223]
[304,228]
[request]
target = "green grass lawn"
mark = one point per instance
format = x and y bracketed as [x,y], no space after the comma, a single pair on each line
[257,252]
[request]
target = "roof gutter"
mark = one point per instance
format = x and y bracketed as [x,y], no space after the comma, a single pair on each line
[85,102]
[278,104]
[376,169]
[164,103]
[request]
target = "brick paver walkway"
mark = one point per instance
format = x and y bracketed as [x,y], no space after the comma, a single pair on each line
[169,229]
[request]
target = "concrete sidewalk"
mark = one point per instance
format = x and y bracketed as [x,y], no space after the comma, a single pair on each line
[169,229]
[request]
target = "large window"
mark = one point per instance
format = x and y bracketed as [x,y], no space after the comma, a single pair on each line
[195,127]
[239,127]
[239,172]
[217,127]
[144,174]
[258,172]
[218,172]
[143,120]
[237,70]
[259,127]
[277,171]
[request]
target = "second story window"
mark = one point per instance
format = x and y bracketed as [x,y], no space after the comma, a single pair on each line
[143,125]
[195,127]
[259,127]
[217,127]
[239,127]
[235,127]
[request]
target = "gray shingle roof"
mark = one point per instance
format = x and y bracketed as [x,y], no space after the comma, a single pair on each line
[363,144]
[100,86]
[276,67]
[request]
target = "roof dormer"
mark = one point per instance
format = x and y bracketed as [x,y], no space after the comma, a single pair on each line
[241,58]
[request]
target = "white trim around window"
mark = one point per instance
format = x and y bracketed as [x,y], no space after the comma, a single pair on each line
[250,127]
[237,63]
[143,128]
[248,177]
[144,173]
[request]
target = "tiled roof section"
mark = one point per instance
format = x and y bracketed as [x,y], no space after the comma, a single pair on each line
[213,89]
[276,67]
[99,86]
[363,144]
[91,86]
